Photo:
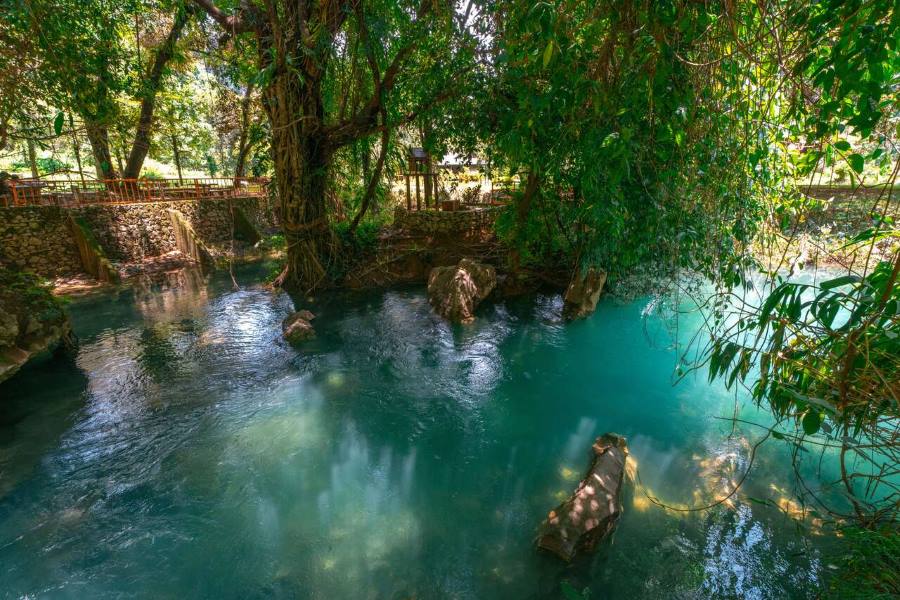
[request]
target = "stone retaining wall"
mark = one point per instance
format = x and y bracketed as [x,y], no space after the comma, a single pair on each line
[435,222]
[39,238]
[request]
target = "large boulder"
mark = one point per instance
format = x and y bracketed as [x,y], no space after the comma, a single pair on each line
[590,514]
[456,291]
[32,321]
[297,327]
[583,293]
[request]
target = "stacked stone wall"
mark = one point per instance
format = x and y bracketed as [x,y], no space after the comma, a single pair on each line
[39,238]
[435,222]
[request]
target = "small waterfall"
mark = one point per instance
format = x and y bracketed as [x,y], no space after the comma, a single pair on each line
[187,241]
[93,258]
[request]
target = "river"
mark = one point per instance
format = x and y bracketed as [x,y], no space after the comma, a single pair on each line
[187,451]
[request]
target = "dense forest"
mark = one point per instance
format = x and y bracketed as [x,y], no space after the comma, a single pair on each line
[672,146]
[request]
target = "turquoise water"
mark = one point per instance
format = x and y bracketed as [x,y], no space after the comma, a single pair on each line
[188,452]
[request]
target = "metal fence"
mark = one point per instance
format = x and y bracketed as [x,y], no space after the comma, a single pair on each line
[37,192]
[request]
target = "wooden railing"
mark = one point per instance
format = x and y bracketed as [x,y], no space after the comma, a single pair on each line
[36,192]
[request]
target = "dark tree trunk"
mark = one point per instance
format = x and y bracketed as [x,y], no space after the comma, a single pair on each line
[376,176]
[302,159]
[177,156]
[32,159]
[141,145]
[244,143]
[523,207]
[98,136]
[76,148]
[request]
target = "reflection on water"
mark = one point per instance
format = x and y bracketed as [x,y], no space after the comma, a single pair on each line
[192,453]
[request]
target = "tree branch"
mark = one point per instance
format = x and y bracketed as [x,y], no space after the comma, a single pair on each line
[234,24]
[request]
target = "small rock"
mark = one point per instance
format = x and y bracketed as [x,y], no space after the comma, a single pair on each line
[297,328]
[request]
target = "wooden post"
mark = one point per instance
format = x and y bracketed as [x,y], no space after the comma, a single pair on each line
[426,179]
[408,197]
[418,196]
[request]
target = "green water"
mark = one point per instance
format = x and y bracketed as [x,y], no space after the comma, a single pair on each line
[188,452]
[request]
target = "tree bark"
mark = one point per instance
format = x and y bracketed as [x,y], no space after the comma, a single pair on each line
[76,148]
[177,156]
[98,136]
[302,157]
[141,145]
[244,143]
[32,159]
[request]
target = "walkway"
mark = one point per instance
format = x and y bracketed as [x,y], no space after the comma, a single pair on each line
[38,192]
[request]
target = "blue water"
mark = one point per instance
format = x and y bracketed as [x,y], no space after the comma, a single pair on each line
[186,451]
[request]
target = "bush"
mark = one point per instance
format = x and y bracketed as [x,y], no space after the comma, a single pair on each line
[151,173]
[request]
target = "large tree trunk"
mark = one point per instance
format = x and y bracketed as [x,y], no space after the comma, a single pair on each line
[302,159]
[141,145]
[98,136]
[244,143]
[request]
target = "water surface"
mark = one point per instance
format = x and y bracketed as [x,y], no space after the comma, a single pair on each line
[188,452]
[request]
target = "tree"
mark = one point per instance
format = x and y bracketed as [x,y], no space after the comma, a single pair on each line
[297,42]
[83,64]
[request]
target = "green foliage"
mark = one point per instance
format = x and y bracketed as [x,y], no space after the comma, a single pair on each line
[634,154]
[151,173]
[44,165]
[868,566]
[32,294]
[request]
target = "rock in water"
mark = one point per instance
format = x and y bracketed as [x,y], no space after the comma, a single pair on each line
[583,293]
[297,328]
[592,511]
[455,292]
[32,321]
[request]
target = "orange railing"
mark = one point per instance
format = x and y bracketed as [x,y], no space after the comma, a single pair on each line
[35,192]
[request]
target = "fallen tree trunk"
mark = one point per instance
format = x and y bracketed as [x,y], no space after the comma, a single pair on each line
[591,513]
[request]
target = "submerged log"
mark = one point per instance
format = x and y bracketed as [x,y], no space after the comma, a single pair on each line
[456,291]
[590,514]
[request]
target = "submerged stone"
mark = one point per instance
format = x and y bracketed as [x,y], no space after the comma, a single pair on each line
[297,327]
[591,513]
[456,291]
[583,293]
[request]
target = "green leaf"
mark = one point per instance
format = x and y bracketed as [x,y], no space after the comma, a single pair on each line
[811,422]
[842,145]
[838,282]
[58,122]
[548,53]
[857,162]
[570,592]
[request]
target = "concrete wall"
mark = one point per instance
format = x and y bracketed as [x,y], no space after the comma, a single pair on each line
[39,239]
